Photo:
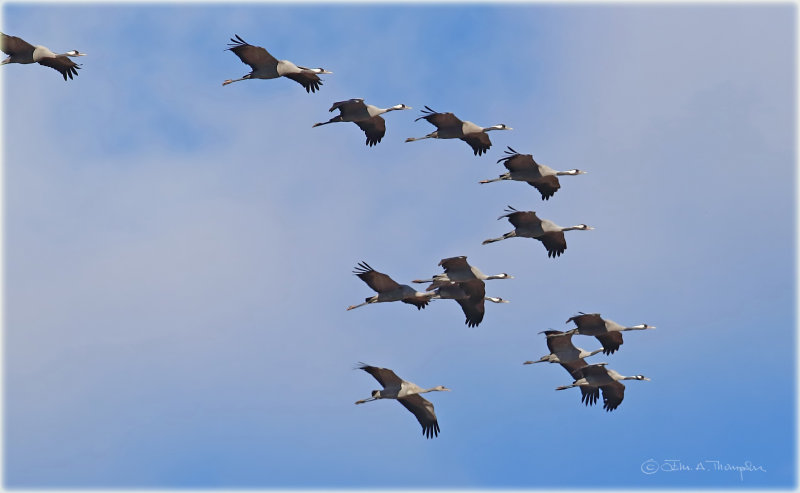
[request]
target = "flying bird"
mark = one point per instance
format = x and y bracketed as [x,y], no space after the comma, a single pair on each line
[407,394]
[266,66]
[20,51]
[571,358]
[387,289]
[607,331]
[522,167]
[470,295]
[366,116]
[528,225]
[563,351]
[598,378]
[448,126]
[458,269]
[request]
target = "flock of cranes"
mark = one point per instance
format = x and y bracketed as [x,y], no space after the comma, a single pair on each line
[591,379]
[460,281]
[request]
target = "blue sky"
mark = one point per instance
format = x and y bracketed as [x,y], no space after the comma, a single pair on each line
[178,254]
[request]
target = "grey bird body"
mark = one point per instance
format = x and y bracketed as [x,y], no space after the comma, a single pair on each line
[607,331]
[388,289]
[266,66]
[448,126]
[20,51]
[366,116]
[470,295]
[571,358]
[407,394]
[562,350]
[522,167]
[596,378]
[457,269]
[528,225]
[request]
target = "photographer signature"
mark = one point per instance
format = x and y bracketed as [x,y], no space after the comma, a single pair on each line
[652,466]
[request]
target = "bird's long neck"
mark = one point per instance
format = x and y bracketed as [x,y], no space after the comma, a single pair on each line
[373,110]
[493,127]
[73,53]
[572,228]
[378,111]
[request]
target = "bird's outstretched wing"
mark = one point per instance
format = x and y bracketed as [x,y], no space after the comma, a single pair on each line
[378,281]
[63,64]
[588,321]
[558,341]
[309,80]
[255,56]
[546,185]
[374,129]
[613,393]
[611,341]
[515,161]
[479,142]
[554,242]
[473,305]
[355,102]
[589,395]
[440,120]
[420,303]
[423,410]
[454,264]
[574,367]
[520,218]
[384,376]
[11,45]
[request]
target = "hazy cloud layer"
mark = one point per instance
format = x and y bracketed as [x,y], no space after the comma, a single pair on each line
[179,254]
